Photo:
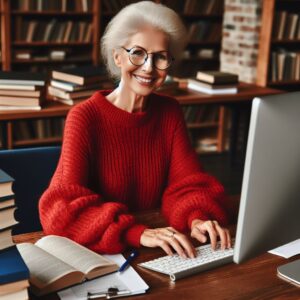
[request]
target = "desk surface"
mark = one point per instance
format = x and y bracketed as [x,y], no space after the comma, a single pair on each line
[254,279]
[246,93]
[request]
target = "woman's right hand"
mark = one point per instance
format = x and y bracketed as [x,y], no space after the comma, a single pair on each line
[168,238]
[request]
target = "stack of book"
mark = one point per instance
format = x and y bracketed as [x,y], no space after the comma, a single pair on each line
[14,274]
[214,82]
[21,91]
[72,85]
[7,209]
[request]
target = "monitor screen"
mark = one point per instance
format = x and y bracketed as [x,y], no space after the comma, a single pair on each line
[269,213]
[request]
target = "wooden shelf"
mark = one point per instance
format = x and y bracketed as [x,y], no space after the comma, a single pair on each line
[285,42]
[196,59]
[205,44]
[52,61]
[37,141]
[284,83]
[51,44]
[52,13]
[202,125]
[202,16]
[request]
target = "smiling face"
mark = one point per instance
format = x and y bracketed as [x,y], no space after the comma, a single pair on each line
[144,79]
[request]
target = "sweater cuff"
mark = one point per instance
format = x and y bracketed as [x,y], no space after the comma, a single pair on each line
[196,214]
[133,235]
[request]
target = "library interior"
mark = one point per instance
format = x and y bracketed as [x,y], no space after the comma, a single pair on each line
[240,62]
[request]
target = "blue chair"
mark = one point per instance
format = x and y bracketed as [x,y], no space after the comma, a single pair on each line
[32,169]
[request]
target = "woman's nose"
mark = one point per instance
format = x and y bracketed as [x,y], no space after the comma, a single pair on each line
[148,65]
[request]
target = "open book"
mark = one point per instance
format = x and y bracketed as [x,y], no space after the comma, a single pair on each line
[56,262]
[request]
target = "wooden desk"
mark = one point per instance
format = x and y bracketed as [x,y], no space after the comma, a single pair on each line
[52,109]
[255,279]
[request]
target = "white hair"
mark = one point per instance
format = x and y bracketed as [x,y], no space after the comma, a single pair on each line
[131,19]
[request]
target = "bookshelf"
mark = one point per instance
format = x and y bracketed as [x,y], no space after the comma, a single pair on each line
[203,20]
[40,35]
[31,31]
[278,63]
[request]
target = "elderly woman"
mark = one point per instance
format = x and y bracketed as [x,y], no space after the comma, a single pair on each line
[127,150]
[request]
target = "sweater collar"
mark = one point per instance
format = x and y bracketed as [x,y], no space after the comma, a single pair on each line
[118,115]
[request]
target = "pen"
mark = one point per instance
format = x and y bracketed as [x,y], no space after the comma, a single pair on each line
[132,255]
[111,293]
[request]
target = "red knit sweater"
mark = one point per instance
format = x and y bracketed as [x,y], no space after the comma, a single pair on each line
[114,162]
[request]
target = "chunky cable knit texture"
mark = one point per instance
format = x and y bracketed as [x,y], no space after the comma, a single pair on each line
[114,162]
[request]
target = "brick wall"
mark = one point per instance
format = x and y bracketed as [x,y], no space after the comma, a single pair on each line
[241,26]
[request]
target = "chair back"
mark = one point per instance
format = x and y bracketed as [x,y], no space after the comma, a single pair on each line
[32,169]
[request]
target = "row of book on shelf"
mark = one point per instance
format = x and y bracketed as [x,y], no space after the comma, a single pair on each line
[53,5]
[207,31]
[191,7]
[38,128]
[285,65]
[44,55]
[186,7]
[286,26]
[51,264]
[53,31]
[195,114]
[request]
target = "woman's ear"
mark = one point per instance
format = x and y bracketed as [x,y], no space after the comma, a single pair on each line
[117,58]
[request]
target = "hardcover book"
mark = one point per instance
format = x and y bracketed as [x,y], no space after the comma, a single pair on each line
[67,263]
[13,267]
[217,77]
[19,108]
[70,95]
[72,87]
[13,289]
[80,75]
[7,218]
[24,78]
[5,184]
[211,86]
[210,91]
[6,240]
[19,101]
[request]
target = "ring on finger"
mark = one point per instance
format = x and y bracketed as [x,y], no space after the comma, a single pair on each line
[172,233]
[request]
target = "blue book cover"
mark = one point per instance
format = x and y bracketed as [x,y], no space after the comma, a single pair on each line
[4,177]
[12,266]
[5,185]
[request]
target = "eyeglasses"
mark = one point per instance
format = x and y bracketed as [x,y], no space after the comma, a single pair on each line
[138,56]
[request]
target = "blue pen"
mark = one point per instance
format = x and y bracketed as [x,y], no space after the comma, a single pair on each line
[132,255]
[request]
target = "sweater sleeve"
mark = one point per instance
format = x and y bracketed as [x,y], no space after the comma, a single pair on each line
[70,208]
[190,193]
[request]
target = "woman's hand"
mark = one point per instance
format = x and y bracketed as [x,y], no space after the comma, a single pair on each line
[168,239]
[200,229]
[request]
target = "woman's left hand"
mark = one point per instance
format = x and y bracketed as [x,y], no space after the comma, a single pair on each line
[200,229]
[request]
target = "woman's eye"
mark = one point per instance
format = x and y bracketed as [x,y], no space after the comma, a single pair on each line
[138,53]
[161,56]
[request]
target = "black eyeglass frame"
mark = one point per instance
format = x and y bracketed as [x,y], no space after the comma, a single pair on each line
[147,55]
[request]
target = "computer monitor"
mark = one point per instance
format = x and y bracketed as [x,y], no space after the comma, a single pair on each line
[269,213]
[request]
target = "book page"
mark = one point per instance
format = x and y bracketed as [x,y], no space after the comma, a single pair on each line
[44,268]
[74,254]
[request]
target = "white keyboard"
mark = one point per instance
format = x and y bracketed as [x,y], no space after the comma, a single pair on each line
[177,267]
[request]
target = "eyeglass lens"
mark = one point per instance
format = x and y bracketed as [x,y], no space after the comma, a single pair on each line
[139,56]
